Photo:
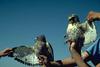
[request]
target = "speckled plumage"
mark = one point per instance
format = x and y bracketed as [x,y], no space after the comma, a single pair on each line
[29,54]
[76,30]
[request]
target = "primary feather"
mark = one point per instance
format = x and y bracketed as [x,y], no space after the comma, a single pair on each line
[25,55]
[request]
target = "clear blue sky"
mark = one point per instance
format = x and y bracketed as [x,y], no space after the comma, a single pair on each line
[22,20]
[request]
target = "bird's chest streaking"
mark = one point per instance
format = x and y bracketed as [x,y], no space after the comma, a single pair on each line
[40,48]
[85,30]
[43,48]
[73,32]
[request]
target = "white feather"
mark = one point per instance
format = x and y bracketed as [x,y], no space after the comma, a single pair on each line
[90,34]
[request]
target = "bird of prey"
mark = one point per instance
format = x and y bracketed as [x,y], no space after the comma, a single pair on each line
[29,55]
[81,32]
[42,47]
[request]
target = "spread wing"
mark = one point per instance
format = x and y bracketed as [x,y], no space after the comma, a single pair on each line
[25,55]
[90,33]
[85,29]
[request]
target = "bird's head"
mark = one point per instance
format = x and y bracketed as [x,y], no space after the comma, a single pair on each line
[73,19]
[41,38]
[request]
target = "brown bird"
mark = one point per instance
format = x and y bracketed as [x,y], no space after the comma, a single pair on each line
[76,30]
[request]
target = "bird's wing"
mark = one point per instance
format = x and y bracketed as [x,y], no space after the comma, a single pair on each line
[25,55]
[90,33]
[50,50]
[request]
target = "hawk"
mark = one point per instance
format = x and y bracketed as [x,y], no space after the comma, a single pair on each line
[82,32]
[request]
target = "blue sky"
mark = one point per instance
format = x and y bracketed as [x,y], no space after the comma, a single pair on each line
[22,20]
